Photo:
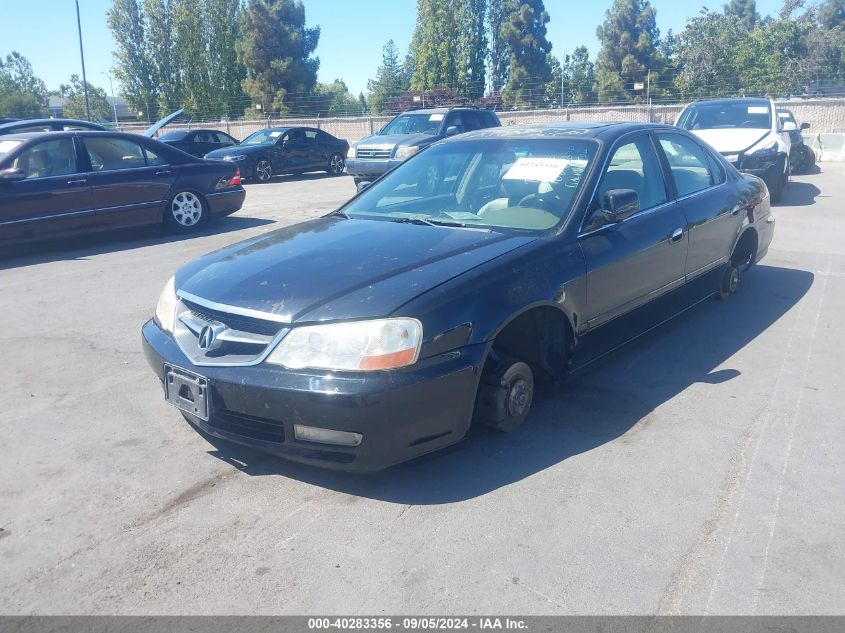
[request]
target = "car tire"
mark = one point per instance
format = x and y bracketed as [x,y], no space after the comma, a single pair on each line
[730,281]
[336,165]
[263,170]
[186,212]
[505,396]
[776,190]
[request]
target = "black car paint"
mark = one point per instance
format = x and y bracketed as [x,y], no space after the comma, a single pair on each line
[465,287]
[90,201]
[286,158]
[194,142]
[45,125]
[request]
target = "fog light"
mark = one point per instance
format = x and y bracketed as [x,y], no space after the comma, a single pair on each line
[326,436]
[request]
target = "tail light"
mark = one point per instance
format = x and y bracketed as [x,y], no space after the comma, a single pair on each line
[236,179]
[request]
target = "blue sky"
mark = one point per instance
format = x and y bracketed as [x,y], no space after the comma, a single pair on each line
[353,33]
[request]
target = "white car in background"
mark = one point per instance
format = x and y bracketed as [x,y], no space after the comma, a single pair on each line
[748,133]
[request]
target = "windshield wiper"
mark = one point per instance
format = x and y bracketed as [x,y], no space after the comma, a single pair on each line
[427,222]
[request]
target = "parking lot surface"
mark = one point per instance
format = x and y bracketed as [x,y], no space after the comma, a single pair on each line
[698,470]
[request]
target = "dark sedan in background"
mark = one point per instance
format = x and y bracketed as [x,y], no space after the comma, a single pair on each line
[286,150]
[198,142]
[55,184]
[380,332]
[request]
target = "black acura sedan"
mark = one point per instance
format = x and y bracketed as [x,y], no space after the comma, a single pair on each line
[384,330]
[54,184]
[286,150]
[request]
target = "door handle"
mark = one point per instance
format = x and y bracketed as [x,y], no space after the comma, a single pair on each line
[78,181]
[676,236]
[164,172]
[736,210]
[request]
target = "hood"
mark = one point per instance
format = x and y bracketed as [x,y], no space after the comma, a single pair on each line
[732,140]
[155,127]
[236,150]
[389,141]
[337,268]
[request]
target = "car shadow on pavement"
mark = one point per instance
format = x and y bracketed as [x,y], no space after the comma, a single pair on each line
[311,175]
[799,194]
[19,256]
[613,400]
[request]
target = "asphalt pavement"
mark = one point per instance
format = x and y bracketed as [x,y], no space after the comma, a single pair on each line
[698,470]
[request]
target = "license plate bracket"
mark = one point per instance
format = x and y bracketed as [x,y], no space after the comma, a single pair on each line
[186,390]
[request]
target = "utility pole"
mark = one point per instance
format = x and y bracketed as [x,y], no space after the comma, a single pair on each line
[82,57]
[648,86]
[113,103]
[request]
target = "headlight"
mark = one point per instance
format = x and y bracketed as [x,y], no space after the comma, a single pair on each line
[350,153]
[166,307]
[406,152]
[238,157]
[357,346]
[771,148]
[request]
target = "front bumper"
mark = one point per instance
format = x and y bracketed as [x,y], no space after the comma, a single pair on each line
[370,168]
[769,168]
[401,414]
[226,202]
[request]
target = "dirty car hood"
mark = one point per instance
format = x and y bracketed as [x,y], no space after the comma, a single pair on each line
[337,268]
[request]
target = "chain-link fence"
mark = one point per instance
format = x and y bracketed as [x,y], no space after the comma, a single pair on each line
[823,115]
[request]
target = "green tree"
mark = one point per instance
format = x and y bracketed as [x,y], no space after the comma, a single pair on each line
[745,10]
[630,50]
[579,75]
[226,74]
[499,55]
[472,47]
[705,55]
[22,94]
[192,57]
[133,63]
[832,14]
[390,80]
[73,95]
[524,32]
[334,99]
[275,47]
[160,46]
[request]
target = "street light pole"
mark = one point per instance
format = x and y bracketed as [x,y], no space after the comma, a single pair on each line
[82,57]
[113,103]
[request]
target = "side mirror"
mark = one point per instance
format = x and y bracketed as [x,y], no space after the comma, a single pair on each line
[805,126]
[454,129]
[789,126]
[12,175]
[620,204]
[363,185]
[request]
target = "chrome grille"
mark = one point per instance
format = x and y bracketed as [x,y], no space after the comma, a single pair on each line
[372,152]
[212,336]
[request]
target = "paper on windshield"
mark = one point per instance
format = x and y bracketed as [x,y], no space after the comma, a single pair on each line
[758,110]
[436,117]
[536,168]
[275,134]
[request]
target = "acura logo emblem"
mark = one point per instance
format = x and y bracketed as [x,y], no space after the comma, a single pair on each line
[209,338]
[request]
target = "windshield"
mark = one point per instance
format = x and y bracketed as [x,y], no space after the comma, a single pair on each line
[262,137]
[414,124]
[714,116]
[7,147]
[489,183]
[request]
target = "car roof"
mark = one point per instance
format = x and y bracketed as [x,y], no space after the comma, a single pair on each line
[24,123]
[443,110]
[757,100]
[581,129]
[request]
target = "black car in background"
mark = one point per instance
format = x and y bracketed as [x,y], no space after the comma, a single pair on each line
[47,125]
[382,331]
[286,150]
[198,142]
[55,184]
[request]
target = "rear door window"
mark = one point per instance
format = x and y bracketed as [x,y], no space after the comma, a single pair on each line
[688,162]
[112,154]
